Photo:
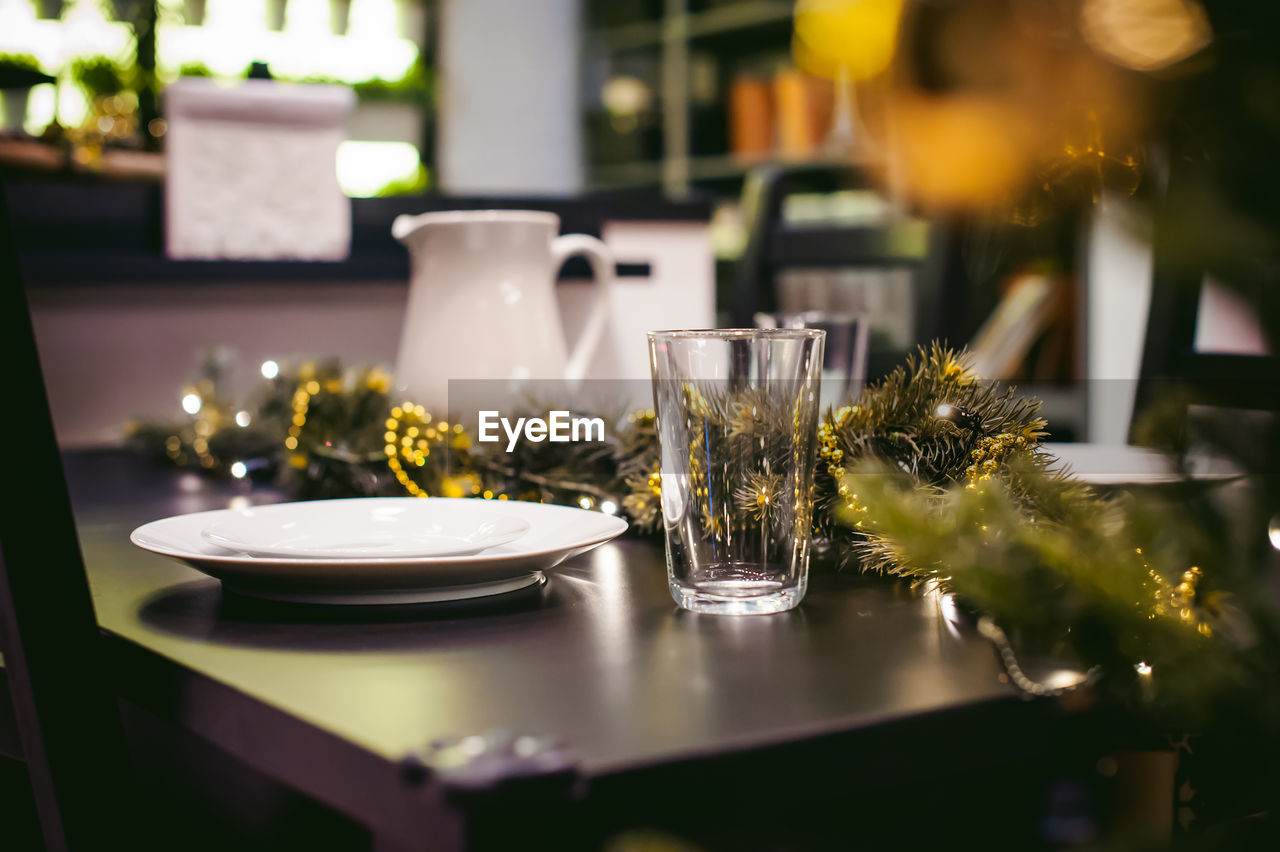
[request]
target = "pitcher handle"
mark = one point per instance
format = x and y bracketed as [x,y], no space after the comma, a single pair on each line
[602,266]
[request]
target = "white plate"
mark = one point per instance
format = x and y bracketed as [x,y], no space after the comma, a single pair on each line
[345,529]
[1122,464]
[556,533]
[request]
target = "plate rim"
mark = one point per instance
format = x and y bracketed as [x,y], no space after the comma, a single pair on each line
[139,533]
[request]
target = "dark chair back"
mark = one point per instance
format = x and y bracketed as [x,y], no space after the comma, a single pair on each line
[1172,366]
[774,245]
[63,718]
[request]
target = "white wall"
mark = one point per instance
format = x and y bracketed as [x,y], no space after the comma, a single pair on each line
[1119,294]
[508,116]
[112,353]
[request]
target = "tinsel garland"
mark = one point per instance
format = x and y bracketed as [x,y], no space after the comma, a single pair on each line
[327,432]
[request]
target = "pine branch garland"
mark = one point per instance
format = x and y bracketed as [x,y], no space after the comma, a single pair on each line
[929,419]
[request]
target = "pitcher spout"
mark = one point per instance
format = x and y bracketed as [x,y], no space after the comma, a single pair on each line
[405,226]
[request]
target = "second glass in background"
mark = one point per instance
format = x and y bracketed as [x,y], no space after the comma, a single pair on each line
[844,360]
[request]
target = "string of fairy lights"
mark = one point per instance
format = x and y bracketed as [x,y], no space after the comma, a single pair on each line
[411,436]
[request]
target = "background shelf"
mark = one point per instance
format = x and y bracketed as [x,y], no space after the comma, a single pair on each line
[684,57]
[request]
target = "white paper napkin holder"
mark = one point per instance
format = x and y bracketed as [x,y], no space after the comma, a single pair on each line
[251,171]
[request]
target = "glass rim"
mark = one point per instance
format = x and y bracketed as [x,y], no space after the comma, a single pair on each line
[818,316]
[485,216]
[738,333]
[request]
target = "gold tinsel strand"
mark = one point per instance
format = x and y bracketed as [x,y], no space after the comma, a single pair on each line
[411,432]
[991,450]
[412,446]
[1182,598]
[301,403]
[829,451]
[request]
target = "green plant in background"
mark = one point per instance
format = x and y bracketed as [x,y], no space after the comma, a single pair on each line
[194,69]
[98,76]
[18,73]
[415,87]
[19,62]
[416,184]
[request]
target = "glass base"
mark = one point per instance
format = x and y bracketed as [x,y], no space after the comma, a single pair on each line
[736,597]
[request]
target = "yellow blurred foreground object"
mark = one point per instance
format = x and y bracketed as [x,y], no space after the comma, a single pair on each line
[961,151]
[853,39]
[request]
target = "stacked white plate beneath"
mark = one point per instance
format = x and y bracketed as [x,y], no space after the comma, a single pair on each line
[384,550]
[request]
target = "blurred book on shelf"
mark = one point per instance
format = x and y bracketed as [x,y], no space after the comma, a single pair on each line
[1005,339]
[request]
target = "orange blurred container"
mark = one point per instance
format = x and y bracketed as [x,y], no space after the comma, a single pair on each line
[803,107]
[750,117]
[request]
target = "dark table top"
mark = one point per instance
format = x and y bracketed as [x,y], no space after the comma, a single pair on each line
[601,657]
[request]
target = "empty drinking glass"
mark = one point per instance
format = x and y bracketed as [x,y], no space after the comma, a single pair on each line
[737,422]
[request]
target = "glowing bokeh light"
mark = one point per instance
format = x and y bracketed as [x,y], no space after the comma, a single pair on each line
[41,108]
[307,18]
[963,150]
[83,31]
[1064,679]
[1145,35]
[235,34]
[239,470]
[372,19]
[191,403]
[270,369]
[364,168]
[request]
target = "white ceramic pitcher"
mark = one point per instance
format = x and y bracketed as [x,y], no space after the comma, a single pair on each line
[482,301]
